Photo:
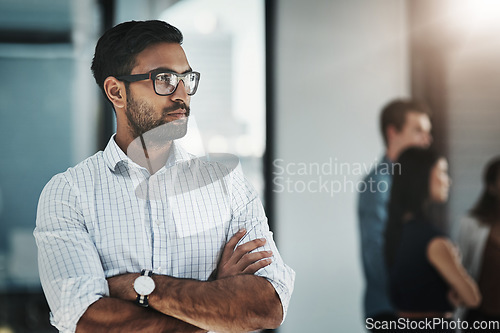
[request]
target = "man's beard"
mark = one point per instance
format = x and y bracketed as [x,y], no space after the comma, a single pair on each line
[156,132]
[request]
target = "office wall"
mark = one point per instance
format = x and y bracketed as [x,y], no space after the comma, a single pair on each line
[473,83]
[337,63]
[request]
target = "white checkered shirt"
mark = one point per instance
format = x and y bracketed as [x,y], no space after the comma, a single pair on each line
[107,216]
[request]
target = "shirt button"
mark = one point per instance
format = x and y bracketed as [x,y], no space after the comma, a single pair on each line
[158,270]
[158,222]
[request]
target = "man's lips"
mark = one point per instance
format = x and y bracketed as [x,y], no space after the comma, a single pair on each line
[177,114]
[176,111]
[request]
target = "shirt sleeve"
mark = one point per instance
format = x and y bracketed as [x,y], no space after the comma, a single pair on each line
[248,213]
[372,213]
[471,240]
[70,270]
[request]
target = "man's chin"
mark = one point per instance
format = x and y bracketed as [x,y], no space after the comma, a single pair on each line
[175,117]
[178,121]
[167,132]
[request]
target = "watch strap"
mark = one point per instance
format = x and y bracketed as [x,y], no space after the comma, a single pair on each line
[147,272]
[142,300]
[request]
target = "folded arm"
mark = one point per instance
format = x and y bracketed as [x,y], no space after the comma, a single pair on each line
[443,255]
[111,314]
[77,291]
[115,315]
[236,301]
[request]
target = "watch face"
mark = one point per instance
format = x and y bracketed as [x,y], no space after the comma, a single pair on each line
[144,285]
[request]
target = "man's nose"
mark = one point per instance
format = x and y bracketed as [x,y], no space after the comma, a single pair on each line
[180,93]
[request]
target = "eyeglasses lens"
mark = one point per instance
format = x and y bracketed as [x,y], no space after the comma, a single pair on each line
[166,83]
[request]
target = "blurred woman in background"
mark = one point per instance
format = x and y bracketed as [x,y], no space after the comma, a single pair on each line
[479,242]
[426,277]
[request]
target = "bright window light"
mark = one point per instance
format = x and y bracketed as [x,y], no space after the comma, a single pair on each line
[474,15]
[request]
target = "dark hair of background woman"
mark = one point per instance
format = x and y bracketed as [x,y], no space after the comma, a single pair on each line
[486,209]
[409,195]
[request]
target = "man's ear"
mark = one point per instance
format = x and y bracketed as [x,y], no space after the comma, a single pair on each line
[391,132]
[115,90]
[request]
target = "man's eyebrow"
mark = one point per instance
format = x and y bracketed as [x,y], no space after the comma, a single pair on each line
[169,70]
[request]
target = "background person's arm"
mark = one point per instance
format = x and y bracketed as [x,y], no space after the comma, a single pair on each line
[372,216]
[443,255]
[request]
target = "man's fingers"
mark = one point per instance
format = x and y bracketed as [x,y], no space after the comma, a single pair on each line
[250,258]
[251,269]
[231,244]
[235,239]
[240,259]
[250,246]
[252,262]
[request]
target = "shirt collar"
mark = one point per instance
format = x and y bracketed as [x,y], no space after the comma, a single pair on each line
[178,155]
[113,155]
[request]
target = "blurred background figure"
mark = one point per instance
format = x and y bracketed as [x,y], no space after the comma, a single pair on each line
[426,277]
[479,243]
[403,124]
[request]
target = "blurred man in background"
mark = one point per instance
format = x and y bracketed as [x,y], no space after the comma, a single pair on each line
[403,124]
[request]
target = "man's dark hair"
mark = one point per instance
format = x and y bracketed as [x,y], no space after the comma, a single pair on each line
[394,113]
[116,51]
[410,194]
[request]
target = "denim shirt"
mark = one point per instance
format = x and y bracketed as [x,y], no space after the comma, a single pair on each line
[373,214]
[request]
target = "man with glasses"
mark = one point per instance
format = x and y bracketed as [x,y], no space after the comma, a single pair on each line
[144,236]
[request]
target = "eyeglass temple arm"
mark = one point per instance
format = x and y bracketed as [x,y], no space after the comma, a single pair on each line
[134,77]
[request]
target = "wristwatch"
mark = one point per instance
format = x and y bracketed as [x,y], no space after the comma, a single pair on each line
[144,286]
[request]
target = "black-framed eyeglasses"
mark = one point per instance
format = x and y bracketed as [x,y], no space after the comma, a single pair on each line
[165,83]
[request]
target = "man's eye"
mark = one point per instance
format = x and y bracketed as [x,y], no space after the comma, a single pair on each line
[163,78]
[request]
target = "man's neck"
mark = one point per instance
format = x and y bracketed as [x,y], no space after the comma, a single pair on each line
[392,154]
[146,154]
[155,156]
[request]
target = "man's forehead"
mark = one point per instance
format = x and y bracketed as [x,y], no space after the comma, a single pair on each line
[168,56]
[417,118]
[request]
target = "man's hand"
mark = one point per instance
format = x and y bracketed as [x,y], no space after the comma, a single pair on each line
[240,260]
[235,300]
[234,261]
